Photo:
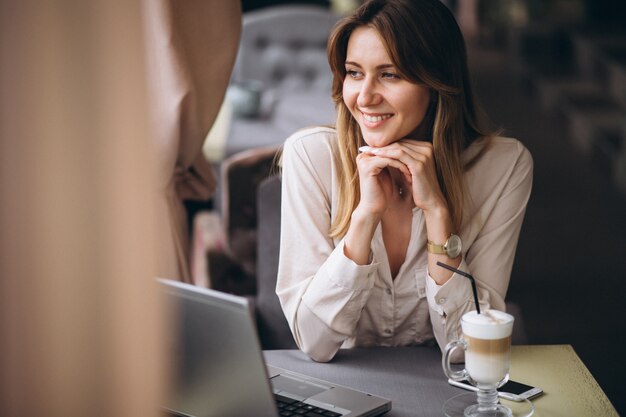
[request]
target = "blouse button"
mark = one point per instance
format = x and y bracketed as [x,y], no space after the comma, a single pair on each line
[388,291]
[387,331]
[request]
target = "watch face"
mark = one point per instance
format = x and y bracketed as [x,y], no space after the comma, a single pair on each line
[453,246]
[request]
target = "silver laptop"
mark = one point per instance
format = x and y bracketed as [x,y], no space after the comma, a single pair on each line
[219,369]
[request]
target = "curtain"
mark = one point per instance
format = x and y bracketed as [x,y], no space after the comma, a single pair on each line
[191,47]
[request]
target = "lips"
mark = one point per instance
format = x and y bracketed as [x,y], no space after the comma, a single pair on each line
[376,118]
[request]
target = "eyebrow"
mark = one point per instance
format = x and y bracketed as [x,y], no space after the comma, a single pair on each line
[378,67]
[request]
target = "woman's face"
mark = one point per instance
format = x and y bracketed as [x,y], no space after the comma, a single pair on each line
[386,106]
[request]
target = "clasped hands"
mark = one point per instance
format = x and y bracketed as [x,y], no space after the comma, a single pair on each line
[414,164]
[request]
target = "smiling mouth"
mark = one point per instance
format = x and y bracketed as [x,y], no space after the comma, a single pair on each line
[375,118]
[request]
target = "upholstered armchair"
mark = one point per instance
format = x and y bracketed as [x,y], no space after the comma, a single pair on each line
[282,50]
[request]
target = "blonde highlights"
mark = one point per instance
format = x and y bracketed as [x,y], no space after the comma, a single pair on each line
[348,181]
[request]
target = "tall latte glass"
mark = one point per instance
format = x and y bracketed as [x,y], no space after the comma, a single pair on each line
[487,345]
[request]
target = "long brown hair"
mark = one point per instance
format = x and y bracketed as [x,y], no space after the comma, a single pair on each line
[425,44]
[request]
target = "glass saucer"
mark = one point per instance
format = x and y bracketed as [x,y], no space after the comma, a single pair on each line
[456,405]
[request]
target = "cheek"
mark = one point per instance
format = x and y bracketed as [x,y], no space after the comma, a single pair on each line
[350,94]
[420,104]
[424,99]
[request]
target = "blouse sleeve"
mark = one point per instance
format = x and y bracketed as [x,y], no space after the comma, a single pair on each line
[322,292]
[490,257]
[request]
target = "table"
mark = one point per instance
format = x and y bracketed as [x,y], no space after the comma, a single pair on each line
[413,379]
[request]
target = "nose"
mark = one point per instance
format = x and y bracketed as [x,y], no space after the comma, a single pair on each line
[368,94]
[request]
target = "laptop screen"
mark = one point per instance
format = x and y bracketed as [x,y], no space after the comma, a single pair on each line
[216,357]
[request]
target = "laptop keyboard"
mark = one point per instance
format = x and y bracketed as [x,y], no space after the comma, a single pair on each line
[290,407]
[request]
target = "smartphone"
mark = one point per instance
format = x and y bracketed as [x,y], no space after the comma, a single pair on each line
[512,390]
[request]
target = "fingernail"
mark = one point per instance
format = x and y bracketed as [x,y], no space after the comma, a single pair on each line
[364,149]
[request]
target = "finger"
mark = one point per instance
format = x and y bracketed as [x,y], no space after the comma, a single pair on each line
[419,150]
[415,143]
[418,157]
[380,162]
[418,147]
[401,153]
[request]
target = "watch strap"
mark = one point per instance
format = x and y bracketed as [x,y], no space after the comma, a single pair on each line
[438,249]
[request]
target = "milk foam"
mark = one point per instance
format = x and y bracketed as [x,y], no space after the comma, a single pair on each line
[490,324]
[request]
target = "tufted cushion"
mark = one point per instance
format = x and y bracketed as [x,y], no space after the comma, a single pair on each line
[285,47]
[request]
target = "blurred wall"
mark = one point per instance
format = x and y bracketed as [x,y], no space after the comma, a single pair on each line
[79,315]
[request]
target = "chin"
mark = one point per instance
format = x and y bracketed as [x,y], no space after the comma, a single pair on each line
[375,139]
[374,142]
[378,140]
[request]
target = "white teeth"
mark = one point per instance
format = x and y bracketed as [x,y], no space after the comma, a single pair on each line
[374,119]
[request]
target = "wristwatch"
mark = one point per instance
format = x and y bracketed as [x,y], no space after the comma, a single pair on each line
[452,247]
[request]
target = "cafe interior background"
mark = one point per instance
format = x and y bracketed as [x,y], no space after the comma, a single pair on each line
[81,324]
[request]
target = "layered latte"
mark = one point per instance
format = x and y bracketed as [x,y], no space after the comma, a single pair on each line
[488,338]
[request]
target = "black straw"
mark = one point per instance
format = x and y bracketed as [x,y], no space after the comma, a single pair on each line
[466,275]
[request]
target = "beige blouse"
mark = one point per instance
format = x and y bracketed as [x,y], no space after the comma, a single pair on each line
[331,302]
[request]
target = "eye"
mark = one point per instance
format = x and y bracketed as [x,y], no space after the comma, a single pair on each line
[353,73]
[390,76]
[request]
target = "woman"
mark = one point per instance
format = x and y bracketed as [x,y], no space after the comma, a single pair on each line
[362,232]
